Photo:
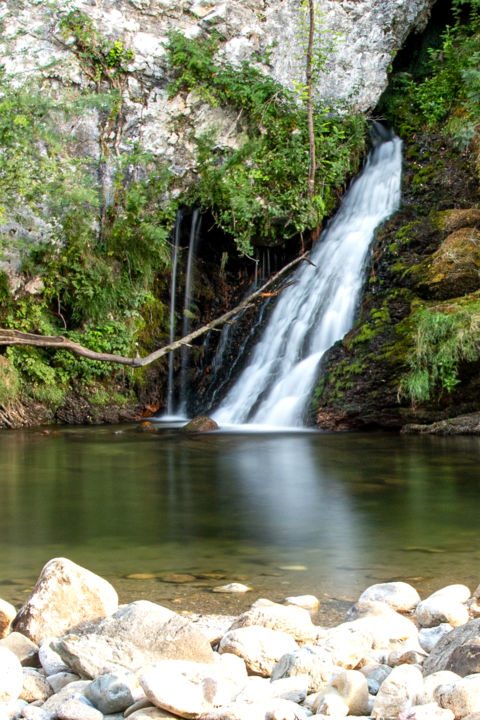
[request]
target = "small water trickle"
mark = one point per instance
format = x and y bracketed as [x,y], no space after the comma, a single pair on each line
[195,227]
[319,307]
[173,292]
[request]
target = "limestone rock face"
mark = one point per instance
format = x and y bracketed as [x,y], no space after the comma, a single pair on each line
[64,596]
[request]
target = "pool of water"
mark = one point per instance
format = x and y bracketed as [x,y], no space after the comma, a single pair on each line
[285,513]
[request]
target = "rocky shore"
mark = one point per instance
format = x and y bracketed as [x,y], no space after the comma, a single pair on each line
[71,653]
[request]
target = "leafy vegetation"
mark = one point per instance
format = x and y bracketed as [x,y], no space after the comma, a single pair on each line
[260,190]
[444,339]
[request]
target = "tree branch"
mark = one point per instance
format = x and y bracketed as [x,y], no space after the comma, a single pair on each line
[59,342]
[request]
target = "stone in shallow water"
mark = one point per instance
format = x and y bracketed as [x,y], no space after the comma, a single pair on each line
[64,596]
[200,424]
[177,578]
[232,588]
[309,602]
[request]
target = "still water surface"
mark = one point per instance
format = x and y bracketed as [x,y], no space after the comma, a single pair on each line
[284,513]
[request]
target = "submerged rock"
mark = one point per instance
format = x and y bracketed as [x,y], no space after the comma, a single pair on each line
[202,423]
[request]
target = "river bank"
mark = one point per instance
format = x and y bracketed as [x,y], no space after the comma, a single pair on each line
[72,653]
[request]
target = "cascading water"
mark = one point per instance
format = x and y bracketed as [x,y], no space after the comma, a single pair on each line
[319,307]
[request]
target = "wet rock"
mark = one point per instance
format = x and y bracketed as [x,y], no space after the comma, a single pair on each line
[439,658]
[260,647]
[398,595]
[444,606]
[137,635]
[21,646]
[312,661]
[35,686]
[178,578]
[288,619]
[7,614]
[399,692]
[462,697]
[429,637]
[109,694]
[64,596]
[451,220]
[200,424]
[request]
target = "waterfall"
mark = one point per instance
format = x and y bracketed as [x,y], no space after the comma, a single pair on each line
[173,290]
[319,308]
[187,306]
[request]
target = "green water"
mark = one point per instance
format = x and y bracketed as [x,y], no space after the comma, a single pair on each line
[283,513]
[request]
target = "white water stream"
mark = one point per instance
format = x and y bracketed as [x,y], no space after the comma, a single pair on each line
[319,308]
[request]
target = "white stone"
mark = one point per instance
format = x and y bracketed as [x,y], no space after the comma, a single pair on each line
[461,697]
[260,647]
[444,606]
[77,709]
[309,602]
[428,637]
[11,677]
[398,595]
[331,703]
[152,713]
[173,687]
[295,621]
[257,689]
[348,644]
[59,680]
[35,686]
[110,693]
[315,662]
[399,691]
[268,710]
[430,711]
[50,660]
[386,626]
[232,588]
[64,596]
[433,681]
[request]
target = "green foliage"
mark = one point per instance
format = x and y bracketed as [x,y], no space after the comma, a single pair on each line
[101,59]
[447,96]
[260,190]
[9,383]
[443,341]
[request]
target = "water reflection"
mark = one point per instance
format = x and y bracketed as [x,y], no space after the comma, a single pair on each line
[352,509]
